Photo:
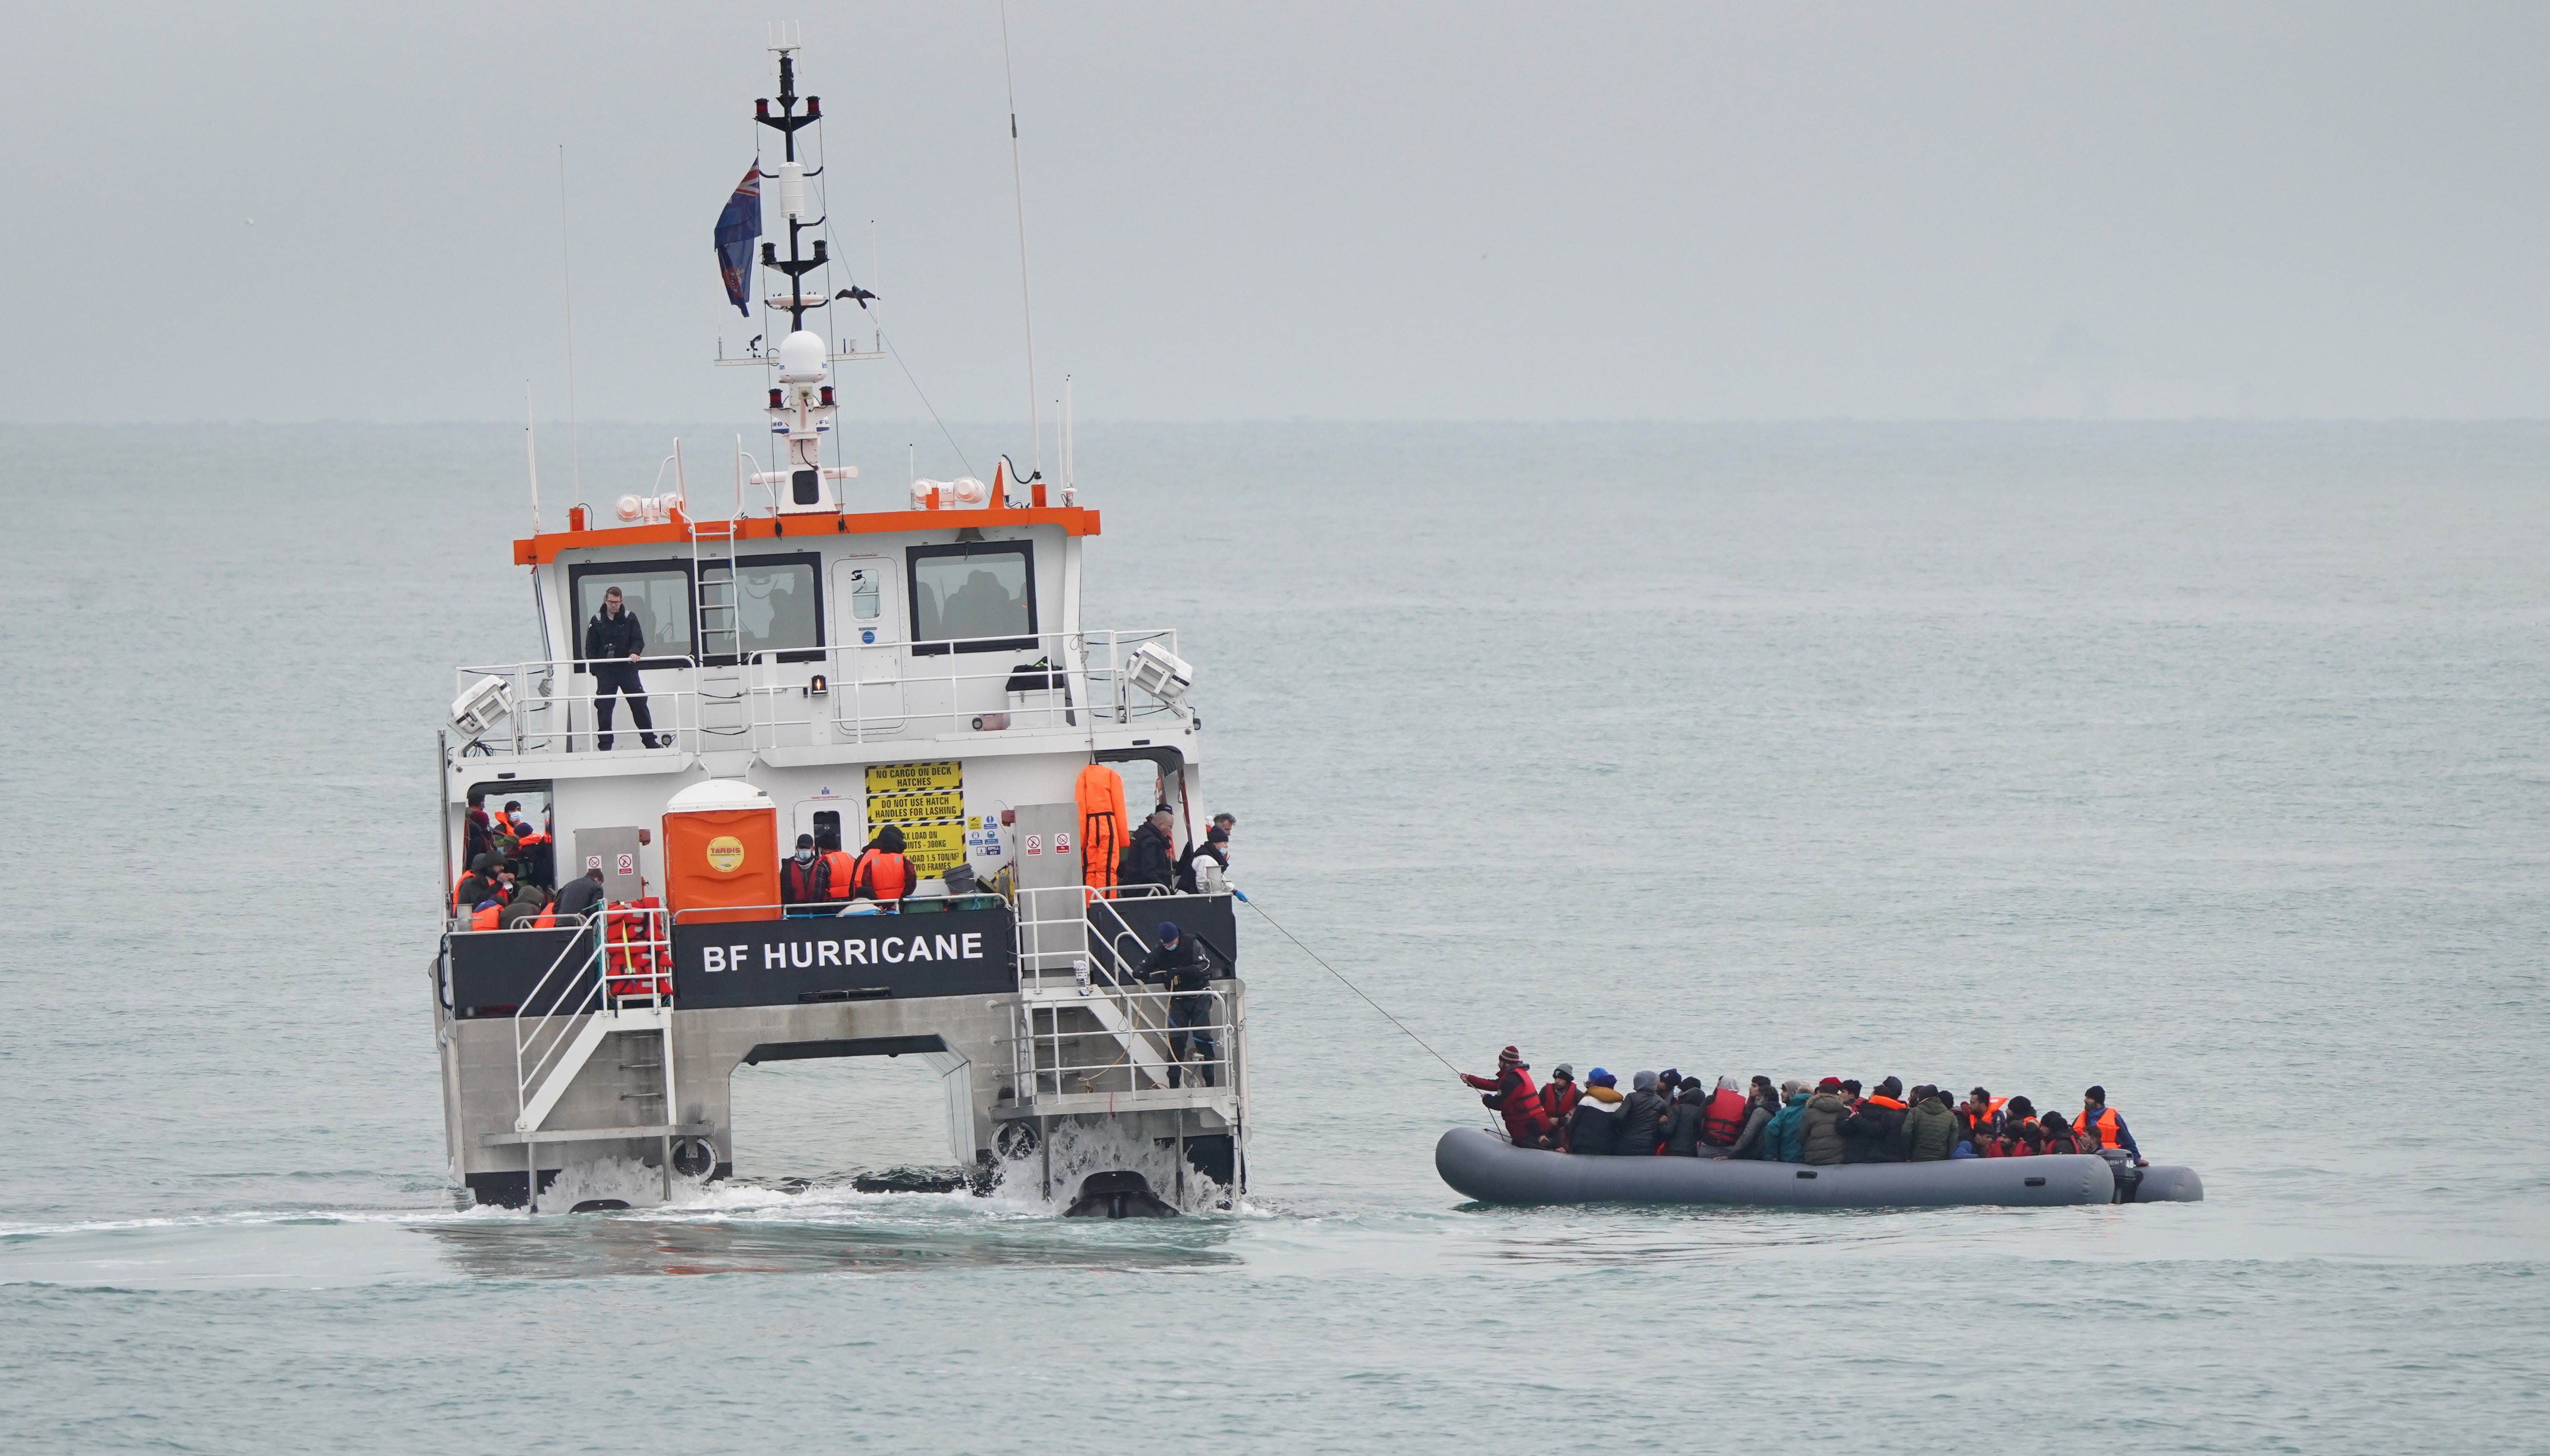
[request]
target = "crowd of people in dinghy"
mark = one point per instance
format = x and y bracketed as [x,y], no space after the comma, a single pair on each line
[1833,1120]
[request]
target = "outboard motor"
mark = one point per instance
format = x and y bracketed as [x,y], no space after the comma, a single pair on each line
[2129,1176]
[1117,1195]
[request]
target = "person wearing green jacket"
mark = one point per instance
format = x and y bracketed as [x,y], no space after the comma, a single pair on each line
[1930,1129]
[1781,1139]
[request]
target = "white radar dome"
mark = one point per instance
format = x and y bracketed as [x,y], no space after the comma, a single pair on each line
[800,358]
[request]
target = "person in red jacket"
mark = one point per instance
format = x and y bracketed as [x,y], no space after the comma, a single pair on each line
[1511,1094]
[1558,1099]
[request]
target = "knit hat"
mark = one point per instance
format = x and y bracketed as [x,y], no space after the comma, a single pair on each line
[1168,929]
[1829,1083]
[1891,1087]
[1563,1072]
[1509,1058]
[1669,1077]
[1217,836]
[1600,1078]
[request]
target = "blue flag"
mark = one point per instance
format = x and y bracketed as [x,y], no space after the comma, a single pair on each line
[738,228]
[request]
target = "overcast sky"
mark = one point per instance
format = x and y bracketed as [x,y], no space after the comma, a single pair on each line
[256,211]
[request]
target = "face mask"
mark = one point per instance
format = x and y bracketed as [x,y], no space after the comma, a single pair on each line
[804,856]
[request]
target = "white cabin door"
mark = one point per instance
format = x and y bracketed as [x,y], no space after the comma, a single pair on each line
[868,625]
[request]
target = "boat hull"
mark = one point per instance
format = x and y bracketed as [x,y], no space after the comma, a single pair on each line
[1491,1170]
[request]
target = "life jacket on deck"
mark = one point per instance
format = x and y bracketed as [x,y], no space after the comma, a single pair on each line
[1721,1120]
[837,865]
[626,930]
[882,874]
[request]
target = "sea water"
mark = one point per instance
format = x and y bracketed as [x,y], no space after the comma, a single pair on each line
[2205,763]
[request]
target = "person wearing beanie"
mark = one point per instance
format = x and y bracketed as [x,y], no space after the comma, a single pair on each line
[1180,969]
[801,877]
[1510,1096]
[1596,1126]
[1558,1099]
[1820,1129]
[1873,1130]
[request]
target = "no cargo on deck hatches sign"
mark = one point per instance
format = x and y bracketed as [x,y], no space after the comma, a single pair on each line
[927,801]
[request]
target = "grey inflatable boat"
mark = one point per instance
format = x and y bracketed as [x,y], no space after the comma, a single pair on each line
[1491,1170]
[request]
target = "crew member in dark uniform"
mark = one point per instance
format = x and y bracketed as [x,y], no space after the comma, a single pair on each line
[1179,967]
[613,643]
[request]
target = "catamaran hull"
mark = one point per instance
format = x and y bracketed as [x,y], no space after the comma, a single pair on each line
[1487,1168]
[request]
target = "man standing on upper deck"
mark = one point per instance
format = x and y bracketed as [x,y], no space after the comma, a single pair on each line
[613,643]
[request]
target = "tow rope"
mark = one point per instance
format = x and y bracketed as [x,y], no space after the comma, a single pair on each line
[1351,986]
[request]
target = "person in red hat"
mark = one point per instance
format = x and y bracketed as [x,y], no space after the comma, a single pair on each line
[1511,1094]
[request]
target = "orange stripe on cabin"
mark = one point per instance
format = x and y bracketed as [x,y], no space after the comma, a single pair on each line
[1074,520]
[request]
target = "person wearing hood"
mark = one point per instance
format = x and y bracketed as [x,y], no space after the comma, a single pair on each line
[1596,1126]
[801,879]
[1510,1096]
[882,873]
[1719,1117]
[1783,1137]
[1873,1130]
[580,895]
[1558,1099]
[1930,1128]
[1642,1118]
[477,885]
[1682,1119]
[524,910]
[1819,1129]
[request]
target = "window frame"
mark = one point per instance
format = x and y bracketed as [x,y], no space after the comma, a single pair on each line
[813,561]
[914,555]
[578,571]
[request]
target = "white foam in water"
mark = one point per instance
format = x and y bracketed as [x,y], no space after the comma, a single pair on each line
[1082,1148]
[626,1179]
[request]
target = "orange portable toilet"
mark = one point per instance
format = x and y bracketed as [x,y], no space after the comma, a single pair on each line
[722,853]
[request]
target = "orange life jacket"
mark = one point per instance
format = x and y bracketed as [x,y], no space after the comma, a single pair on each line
[626,929]
[1722,1119]
[484,918]
[2102,1127]
[882,874]
[837,866]
[547,919]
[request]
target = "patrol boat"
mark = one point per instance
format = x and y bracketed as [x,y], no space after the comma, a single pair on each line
[821,659]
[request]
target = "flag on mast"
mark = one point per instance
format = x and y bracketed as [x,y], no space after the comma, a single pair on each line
[738,228]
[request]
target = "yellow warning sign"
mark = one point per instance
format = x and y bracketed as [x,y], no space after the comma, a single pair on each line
[935,849]
[725,854]
[903,809]
[904,778]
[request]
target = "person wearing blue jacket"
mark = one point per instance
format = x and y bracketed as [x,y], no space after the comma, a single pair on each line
[1784,1140]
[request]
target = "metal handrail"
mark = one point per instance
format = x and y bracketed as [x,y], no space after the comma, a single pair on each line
[1036,1072]
[1093,669]
[597,996]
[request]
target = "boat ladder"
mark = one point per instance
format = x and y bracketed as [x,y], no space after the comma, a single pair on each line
[724,685]
[570,1013]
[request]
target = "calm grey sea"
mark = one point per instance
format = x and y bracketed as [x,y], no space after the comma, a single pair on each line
[2205,762]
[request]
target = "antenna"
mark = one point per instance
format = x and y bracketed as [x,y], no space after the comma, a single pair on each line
[532,448]
[1019,196]
[566,290]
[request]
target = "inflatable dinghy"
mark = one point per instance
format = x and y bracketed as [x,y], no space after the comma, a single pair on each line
[1491,1170]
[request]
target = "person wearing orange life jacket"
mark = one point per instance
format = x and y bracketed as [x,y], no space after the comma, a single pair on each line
[834,865]
[2100,1125]
[486,917]
[882,873]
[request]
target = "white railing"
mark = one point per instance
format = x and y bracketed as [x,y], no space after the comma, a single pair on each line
[620,960]
[870,693]
[1052,1056]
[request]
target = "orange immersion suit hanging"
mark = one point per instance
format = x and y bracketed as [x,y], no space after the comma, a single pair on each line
[1103,836]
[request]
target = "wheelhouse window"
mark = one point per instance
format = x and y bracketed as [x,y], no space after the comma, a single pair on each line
[778,607]
[657,593]
[978,596]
